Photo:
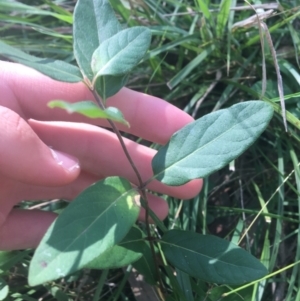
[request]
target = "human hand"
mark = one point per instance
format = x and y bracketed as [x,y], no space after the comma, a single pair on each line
[84,153]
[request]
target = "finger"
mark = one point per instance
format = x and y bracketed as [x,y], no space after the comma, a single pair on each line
[150,117]
[24,157]
[12,192]
[24,229]
[36,223]
[158,205]
[99,151]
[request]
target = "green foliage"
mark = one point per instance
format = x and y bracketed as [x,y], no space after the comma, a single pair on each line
[89,109]
[146,266]
[126,252]
[210,258]
[207,67]
[211,142]
[128,46]
[95,23]
[95,221]
[3,289]
[56,69]
[223,17]
[109,85]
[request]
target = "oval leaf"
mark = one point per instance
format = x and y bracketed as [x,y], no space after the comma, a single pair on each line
[211,142]
[211,258]
[58,70]
[97,219]
[89,109]
[122,52]
[94,22]
[130,249]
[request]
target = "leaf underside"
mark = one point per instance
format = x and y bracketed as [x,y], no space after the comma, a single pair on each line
[94,22]
[209,143]
[122,52]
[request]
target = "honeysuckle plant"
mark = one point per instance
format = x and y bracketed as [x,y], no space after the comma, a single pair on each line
[104,235]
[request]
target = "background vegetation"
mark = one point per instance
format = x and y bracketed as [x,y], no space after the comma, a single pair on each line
[198,63]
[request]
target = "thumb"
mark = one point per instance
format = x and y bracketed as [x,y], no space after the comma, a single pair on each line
[24,157]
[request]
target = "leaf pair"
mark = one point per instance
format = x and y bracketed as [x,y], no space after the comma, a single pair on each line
[104,52]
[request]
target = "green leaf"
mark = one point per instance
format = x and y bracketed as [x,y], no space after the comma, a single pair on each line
[58,293]
[222,17]
[205,10]
[186,70]
[89,109]
[20,8]
[146,266]
[5,257]
[217,294]
[4,289]
[94,22]
[108,85]
[122,52]
[97,219]
[211,142]
[128,251]
[58,70]
[11,259]
[184,281]
[115,114]
[210,258]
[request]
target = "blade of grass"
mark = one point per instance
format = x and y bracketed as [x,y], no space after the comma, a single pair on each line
[228,90]
[238,231]
[185,284]
[183,73]
[257,281]
[259,288]
[32,10]
[100,285]
[280,210]
[222,17]
[296,269]
[229,35]
[203,5]
[256,38]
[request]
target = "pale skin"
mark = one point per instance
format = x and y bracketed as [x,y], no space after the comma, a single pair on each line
[84,153]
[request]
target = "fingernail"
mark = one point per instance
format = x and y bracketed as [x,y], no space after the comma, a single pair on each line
[68,162]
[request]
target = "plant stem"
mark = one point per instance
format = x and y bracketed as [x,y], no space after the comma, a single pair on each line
[141,186]
[120,138]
